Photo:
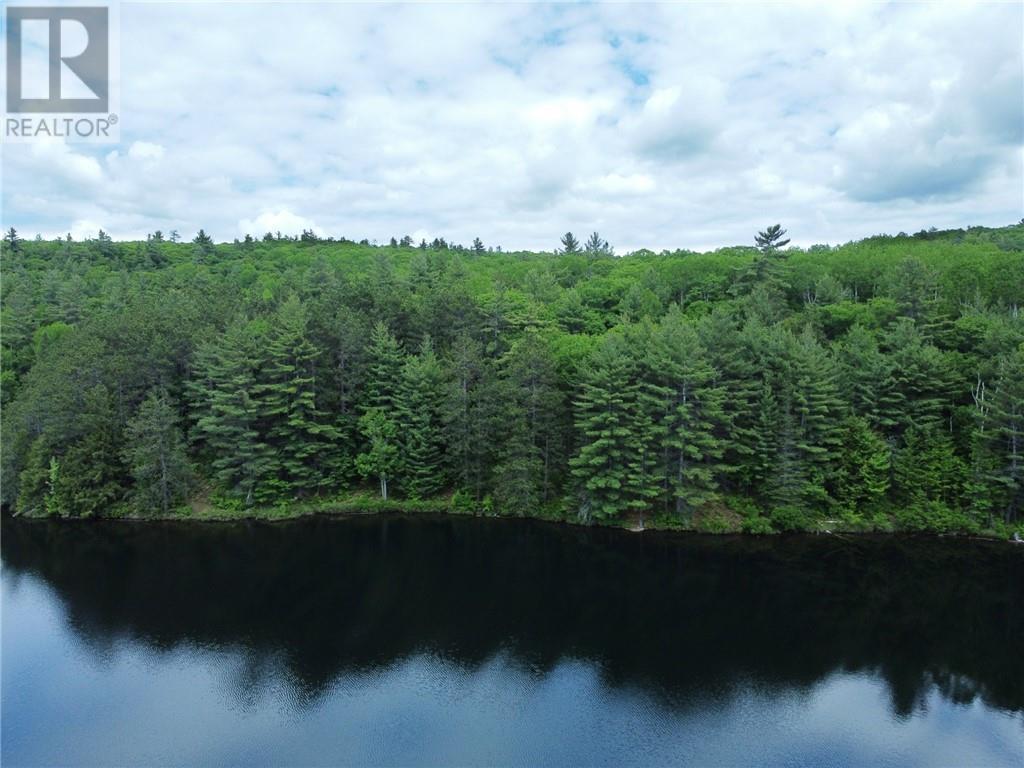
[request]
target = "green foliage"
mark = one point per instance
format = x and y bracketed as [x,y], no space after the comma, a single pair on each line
[306,457]
[788,518]
[771,239]
[758,526]
[570,245]
[864,467]
[381,459]
[418,407]
[224,395]
[155,454]
[873,385]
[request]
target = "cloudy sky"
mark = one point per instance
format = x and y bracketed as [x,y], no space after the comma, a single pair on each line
[660,126]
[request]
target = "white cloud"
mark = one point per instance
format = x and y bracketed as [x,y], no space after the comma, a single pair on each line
[283,221]
[83,229]
[658,125]
[144,150]
[617,184]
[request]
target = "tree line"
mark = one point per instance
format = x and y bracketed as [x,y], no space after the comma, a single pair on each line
[875,385]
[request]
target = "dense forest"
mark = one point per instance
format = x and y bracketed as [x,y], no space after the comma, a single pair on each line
[877,385]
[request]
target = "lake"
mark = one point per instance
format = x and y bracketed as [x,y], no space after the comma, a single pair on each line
[435,641]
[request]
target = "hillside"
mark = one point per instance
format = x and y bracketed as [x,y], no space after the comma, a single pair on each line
[874,385]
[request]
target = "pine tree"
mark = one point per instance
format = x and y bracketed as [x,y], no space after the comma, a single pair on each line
[616,466]
[343,335]
[740,376]
[596,246]
[478,246]
[603,428]
[766,271]
[203,245]
[865,376]
[303,442]
[919,390]
[530,370]
[787,482]
[11,241]
[926,469]
[418,414]
[692,415]
[570,245]
[89,478]
[530,449]
[770,240]
[814,395]
[155,455]
[471,415]
[864,466]
[384,374]
[914,287]
[517,466]
[1004,436]
[229,421]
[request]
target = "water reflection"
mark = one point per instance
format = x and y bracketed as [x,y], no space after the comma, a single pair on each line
[690,621]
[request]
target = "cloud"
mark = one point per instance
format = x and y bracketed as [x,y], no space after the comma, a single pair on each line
[658,125]
[144,150]
[283,221]
[679,121]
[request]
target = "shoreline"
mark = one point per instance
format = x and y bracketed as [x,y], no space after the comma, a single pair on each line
[363,506]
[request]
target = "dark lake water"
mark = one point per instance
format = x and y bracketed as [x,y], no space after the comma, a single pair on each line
[414,641]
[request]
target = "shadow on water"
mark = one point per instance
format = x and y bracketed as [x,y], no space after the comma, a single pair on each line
[685,618]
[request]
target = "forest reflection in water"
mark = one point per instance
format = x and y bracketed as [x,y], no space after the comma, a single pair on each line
[302,610]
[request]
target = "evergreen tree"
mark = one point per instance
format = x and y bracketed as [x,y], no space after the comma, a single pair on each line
[927,469]
[864,466]
[203,245]
[418,413]
[596,246]
[692,415]
[155,455]
[766,270]
[770,240]
[471,416]
[11,240]
[914,287]
[1004,436]
[617,465]
[920,386]
[570,245]
[603,426]
[517,467]
[384,374]
[816,405]
[305,458]
[865,375]
[787,484]
[745,419]
[531,447]
[343,334]
[88,480]
[229,422]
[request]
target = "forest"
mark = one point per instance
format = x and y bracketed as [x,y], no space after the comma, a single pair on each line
[872,386]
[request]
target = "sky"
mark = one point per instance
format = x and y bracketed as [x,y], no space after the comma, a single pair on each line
[659,126]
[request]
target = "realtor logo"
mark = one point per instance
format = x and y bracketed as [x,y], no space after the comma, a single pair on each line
[59,68]
[71,54]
